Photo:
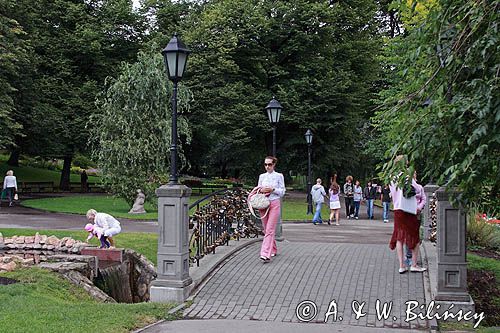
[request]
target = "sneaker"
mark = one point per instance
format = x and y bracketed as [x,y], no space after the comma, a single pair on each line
[329,222]
[385,221]
[351,216]
[273,255]
[348,217]
[402,270]
[417,269]
[264,259]
[337,224]
[356,217]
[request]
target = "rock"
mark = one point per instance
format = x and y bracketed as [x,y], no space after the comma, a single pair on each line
[50,247]
[11,246]
[43,239]
[10,266]
[8,240]
[28,245]
[37,246]
[52,240]
[44,247]
[37,238]
[29,239]
[62,242]
[19,240]
[27,262]
[1,238]
[5,259]
[70,242]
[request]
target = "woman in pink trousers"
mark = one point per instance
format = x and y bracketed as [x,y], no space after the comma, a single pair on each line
[271,183]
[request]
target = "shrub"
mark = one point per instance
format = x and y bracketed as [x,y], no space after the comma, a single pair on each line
[481,233]
[83,161]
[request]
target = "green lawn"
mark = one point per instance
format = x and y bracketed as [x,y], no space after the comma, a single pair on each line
[29,174]
[293,209]
[46,302]
[145,243]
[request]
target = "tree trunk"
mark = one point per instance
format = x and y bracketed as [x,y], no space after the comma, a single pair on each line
[14,158]
[64,183]
[223,172]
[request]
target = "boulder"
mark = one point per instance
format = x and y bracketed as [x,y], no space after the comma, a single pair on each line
[19,239]
[43,239]
[29,239]
[10,266]
[53,241]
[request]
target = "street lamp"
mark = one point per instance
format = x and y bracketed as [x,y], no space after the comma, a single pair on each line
[309,139]
[175,56]
[273,110]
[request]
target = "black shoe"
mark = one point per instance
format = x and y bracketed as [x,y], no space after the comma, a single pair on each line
[329,223]
[264,259]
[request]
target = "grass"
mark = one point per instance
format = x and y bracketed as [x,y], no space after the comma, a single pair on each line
[30,174]
[479,263]
[142,242]
[294,209]
[46,302]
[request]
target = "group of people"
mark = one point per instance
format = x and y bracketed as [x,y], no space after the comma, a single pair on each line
[354,194]
[406,232]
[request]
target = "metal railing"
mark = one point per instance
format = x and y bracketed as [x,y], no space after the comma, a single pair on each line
[433,218]
[224,216]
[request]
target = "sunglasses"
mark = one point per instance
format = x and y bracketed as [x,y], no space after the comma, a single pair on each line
[268,164]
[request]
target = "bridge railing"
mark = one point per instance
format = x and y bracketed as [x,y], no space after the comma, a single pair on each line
[218,218]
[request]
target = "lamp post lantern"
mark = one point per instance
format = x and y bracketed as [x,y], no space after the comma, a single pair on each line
[309,138]
[173,281]
[273,110]
[175,56]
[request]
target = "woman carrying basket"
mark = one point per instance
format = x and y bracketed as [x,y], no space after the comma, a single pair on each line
[272,184]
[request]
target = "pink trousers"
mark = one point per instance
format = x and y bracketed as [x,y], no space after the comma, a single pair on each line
[269,223]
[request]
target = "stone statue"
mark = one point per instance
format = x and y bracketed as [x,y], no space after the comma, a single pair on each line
[138,207]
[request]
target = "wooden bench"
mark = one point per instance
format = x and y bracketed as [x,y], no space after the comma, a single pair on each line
[36,187]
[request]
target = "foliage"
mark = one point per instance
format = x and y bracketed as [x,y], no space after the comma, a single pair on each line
[317,58]
[133,128]
[46,302]
[482,234]
[442,108]
[83,161]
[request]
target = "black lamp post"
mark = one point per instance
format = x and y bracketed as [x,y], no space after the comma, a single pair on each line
[175,55]
[273,110]
[309,138]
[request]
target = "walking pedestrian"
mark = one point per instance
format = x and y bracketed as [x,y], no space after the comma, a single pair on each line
[385,197]
[271,183]
[110,226]
[349,197]
[10,186]
[318,195]
[358,196]
[334,192]
[406,223]
[369,194]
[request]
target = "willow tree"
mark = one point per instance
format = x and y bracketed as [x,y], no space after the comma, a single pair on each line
[131,133]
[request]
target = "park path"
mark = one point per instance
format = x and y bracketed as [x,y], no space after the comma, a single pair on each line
[331,266]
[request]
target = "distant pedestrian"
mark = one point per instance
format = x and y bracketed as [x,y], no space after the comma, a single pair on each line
[385,197]
[10,186]
[406,223]
[84,181]
[334,192]
[358,197]
[369,194]
[110,226]
[318,196]
[349,197]
[271,183]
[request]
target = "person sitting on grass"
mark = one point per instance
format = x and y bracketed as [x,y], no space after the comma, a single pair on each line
[99,233]
[108,223]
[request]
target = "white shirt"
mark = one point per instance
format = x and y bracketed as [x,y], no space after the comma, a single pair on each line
[10,181]
[106,221]
[274,180]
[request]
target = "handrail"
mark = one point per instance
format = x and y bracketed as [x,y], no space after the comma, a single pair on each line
[197,202]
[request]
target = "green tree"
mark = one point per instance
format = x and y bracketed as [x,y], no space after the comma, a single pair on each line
[131,131]
[318,59]
[443,109]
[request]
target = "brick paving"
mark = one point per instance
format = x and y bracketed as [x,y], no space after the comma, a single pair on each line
[245,288]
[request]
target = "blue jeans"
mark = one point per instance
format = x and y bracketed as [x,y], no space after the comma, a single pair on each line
[386,210]
[369,208]
[317,214]
[356,208]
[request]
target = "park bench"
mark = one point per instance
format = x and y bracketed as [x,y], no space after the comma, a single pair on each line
[36,187]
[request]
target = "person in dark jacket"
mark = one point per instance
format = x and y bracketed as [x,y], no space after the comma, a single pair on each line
[369,193]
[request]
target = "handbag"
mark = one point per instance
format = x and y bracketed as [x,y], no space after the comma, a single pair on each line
[258,200]
[409,205]
[16,197]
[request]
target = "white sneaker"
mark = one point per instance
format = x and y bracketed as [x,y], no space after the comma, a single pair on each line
[402,270]
[417,269]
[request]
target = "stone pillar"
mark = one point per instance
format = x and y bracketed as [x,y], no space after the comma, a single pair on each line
[173,278]
[279,226]
[429,189]
[452,265]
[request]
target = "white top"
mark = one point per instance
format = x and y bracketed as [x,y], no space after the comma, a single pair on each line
[274,180]
[106,221]
[9,181]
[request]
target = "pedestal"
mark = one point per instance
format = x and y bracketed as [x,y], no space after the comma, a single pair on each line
[173,245]
[452,264]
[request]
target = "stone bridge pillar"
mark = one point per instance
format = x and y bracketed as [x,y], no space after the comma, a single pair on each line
[173,245]
[452,264]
